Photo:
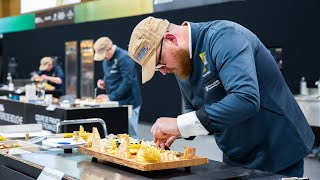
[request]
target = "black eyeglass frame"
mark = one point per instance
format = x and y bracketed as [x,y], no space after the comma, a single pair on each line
[159,60]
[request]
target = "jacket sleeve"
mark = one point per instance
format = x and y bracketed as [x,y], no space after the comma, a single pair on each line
[59,73]
[233,57]
[126,68]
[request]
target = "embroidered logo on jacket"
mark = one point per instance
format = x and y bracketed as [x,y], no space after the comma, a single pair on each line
[115,64]
[206,73]
[114,67]
[212,85]
[204,60]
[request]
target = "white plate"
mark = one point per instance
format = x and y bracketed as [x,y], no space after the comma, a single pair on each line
[63,143]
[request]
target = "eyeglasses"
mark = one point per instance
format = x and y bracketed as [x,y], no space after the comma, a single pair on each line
[159,65]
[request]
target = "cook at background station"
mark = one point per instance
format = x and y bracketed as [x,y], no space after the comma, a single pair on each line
[45,87]
[50,75]
[48,80]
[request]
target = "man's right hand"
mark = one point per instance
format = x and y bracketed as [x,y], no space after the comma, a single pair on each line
[101,84]
[163,143]
[165,130]
[103,96]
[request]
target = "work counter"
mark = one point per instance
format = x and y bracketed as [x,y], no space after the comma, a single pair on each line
[80,166]
[15,112]
[5,92]
[310,105]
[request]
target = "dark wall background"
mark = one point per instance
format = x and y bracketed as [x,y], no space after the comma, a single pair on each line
[290,24]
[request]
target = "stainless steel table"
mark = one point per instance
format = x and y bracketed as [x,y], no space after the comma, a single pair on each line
[79,166]
[310,106]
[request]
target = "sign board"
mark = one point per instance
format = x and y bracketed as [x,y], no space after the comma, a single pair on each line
[166,5]
[11,112]
[50,174]
[61,16]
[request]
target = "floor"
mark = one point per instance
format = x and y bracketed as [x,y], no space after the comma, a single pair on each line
[208,148]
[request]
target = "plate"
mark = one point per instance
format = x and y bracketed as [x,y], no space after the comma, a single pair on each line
[63,143]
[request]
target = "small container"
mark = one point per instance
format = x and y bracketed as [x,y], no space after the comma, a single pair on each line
[318,85]
[48,99]
[11,87]
[27,137]
[10,84]
[65,104]
[303,87]
[31,94]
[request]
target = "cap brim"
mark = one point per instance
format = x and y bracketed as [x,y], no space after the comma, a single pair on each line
[43,67]
[99,56]
[148,68]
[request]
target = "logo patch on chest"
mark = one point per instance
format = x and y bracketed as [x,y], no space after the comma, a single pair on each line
[212,85]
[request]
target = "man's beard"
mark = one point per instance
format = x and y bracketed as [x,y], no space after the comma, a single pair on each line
[184,64]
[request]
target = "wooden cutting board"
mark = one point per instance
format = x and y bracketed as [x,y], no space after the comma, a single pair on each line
[144,166]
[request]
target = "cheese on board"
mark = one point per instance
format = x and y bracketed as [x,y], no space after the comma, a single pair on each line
[97,144]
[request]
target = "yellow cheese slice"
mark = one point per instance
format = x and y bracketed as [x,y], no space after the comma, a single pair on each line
[189,152]
[123,149]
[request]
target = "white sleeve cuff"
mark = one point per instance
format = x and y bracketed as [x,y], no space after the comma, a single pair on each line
[190,125]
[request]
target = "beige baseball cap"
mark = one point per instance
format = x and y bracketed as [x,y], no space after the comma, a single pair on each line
[45,63]
[100,48]
[145,39]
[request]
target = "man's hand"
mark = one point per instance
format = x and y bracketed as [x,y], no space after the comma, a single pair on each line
[165,142]
[103,96]
[45,77]
[101,84]
[36,76]
[165,131]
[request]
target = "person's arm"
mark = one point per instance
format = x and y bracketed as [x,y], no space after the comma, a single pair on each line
[58,78]
[126,68]
[101,84]
[236,66]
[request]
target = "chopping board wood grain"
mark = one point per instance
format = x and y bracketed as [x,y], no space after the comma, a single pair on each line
[144,166]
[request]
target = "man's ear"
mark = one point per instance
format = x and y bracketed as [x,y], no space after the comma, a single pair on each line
[171,37]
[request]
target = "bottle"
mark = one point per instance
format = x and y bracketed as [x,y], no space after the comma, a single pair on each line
[318,85]
[9,78]
[41,92]
[27,137]
[303,86]
[10,84]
